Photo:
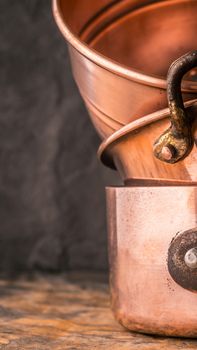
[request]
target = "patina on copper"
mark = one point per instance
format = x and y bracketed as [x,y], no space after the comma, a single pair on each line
[177,141]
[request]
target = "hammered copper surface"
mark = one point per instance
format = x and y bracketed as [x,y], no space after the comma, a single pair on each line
[120,53]
[142,222]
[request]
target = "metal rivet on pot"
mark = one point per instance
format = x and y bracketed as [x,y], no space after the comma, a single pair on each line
[191,258]
[168,152]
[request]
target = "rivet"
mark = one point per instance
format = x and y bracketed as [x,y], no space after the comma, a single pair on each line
[191,258]
[167,153]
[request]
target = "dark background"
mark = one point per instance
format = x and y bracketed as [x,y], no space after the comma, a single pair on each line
[52,199]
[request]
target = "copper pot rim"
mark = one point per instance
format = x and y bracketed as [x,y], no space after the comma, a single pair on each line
[134,126]
[109,64]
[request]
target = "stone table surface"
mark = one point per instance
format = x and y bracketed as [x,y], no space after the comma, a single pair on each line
[68,312]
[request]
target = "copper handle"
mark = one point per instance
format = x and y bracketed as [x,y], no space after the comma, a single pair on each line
[177,141]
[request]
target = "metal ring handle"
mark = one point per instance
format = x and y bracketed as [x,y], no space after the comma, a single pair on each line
[176,142]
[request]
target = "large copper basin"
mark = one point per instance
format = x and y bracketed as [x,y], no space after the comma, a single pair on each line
[121,51]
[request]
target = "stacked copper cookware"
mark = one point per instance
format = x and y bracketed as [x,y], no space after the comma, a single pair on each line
[135,63]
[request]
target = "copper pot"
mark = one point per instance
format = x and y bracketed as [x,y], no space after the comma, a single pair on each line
[153,258]
[120,53]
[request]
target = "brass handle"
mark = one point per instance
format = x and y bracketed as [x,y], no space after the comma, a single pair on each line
[177,141]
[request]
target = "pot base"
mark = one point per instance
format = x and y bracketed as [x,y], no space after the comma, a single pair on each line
[142,222]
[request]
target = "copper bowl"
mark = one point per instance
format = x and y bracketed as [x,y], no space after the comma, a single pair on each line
[130,150]
[120,53]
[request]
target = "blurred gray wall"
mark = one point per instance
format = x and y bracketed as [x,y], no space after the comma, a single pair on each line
[52,199]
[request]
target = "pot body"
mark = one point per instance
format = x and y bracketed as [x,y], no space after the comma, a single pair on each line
[118,67]
[142,223]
